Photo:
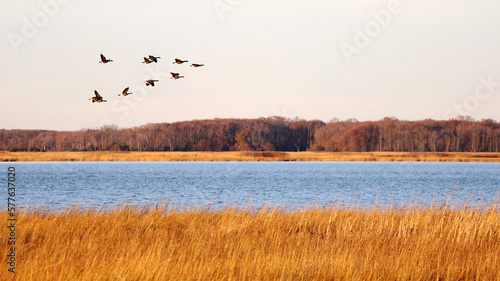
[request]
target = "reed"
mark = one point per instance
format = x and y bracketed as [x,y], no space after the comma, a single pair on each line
[250,156]
[333,243]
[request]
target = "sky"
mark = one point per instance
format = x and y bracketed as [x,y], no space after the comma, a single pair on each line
[366,59]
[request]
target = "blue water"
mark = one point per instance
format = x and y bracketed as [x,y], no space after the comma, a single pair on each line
[289,185]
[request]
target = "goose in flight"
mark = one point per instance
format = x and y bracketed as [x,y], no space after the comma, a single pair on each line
[153,58]
[97,98]
[146,61]
[175,75]
[125,93]
[104,60]
[178,61]
[196,65]
[150,82]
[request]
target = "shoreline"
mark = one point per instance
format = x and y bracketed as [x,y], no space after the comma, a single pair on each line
[244,156]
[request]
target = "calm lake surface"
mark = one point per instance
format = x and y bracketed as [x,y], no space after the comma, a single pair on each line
[289,185]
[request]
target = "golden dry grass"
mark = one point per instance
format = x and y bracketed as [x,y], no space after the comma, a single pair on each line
[435,243]
[250,156]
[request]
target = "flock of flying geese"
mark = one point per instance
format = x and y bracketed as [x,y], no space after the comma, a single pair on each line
[147,60]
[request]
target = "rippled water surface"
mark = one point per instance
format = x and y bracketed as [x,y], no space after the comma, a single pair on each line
[285,184]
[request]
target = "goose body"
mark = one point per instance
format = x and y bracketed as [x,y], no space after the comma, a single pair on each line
[175,75]
[179,61]
[104,60]
[125,93]
[97,98]
[150,82]
[153,58]
[196,65]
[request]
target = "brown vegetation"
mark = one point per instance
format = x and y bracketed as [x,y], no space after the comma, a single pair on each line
[6,156]
[436,243]
[269,134]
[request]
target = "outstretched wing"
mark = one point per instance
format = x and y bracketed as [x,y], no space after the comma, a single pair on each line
[103,58]
[125,91]
[97,94]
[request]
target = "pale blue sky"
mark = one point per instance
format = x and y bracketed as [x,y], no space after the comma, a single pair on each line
[262,58]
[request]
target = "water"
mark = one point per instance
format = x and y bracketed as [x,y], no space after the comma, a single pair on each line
[289,185]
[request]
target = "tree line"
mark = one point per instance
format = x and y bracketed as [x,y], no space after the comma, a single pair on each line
[462,134]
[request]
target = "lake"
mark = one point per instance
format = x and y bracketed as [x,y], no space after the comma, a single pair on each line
[290,185]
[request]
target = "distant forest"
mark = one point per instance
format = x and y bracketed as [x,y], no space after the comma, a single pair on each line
[269,134]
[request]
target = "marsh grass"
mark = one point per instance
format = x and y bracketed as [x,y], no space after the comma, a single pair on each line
[250,156]
[331,243]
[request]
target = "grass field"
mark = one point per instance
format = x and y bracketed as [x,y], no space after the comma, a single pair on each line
[407,243]
[249,156]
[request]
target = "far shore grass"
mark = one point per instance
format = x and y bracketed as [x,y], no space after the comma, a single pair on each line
[6,156]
